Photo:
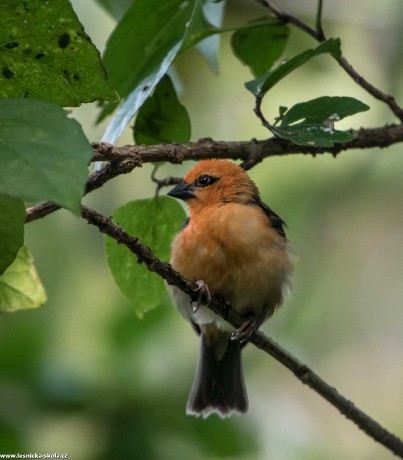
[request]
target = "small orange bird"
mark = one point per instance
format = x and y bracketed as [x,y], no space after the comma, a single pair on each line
[233,245]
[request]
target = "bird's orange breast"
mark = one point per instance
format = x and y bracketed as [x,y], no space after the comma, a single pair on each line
[237,253]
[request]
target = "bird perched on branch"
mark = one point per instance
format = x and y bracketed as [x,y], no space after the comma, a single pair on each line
[233,245]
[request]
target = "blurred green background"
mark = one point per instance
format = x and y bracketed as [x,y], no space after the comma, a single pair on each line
[83,376]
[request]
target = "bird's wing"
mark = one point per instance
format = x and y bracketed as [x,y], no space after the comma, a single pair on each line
[276,221]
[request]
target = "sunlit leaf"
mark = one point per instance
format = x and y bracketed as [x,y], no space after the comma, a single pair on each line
[142,48]
[12,219]
[20,286]
[162,119]
[155,222]
[46,54]
[261,85]
[44,155]
[140,51]
[259,46]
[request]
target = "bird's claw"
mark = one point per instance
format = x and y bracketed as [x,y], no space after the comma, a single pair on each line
[244,332]
[203,290]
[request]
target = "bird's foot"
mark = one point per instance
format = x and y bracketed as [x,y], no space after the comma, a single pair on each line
[203,290]
[244,332]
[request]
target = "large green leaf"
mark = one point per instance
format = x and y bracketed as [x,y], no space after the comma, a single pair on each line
[44,154]
[46,54]
[20,286]
[155,222]
[162,119]
[261,85]
[312,122]
[260,45]
[12,218]
[142,48]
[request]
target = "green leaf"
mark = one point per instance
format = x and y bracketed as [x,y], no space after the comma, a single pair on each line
[142,48]
[318,110]
[46,54]
[44,155]
[12,218]
[312,122]
[162,119]
[198,28]
[313,136]
[156,222]
[20,286]
[260,45]
[140,44]
[261,85]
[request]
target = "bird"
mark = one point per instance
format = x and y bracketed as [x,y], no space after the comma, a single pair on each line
[233,246]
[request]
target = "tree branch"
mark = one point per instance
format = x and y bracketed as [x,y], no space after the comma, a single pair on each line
[306,375]
[253,150]
[343,62]
[122,160]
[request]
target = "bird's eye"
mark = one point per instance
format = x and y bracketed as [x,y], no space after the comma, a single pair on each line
[204,180]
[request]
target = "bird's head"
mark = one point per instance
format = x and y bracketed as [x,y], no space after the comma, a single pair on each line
[215,182]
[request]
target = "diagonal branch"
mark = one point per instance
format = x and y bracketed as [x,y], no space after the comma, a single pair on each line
[343,62]
[306,375]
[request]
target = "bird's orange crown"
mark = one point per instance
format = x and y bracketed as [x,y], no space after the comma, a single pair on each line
[214,182]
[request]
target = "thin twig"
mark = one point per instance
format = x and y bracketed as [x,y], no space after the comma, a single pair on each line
[319,29]
[343,62]
[306,375]
[288,18]
[371,89]
[167,181]
[259,113]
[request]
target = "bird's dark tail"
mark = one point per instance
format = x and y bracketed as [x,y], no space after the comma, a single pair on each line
[218,385]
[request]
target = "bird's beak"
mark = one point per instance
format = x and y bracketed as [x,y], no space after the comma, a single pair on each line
[183,191]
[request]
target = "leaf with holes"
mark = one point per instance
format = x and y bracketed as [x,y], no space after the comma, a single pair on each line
[312,122]
[46,54]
